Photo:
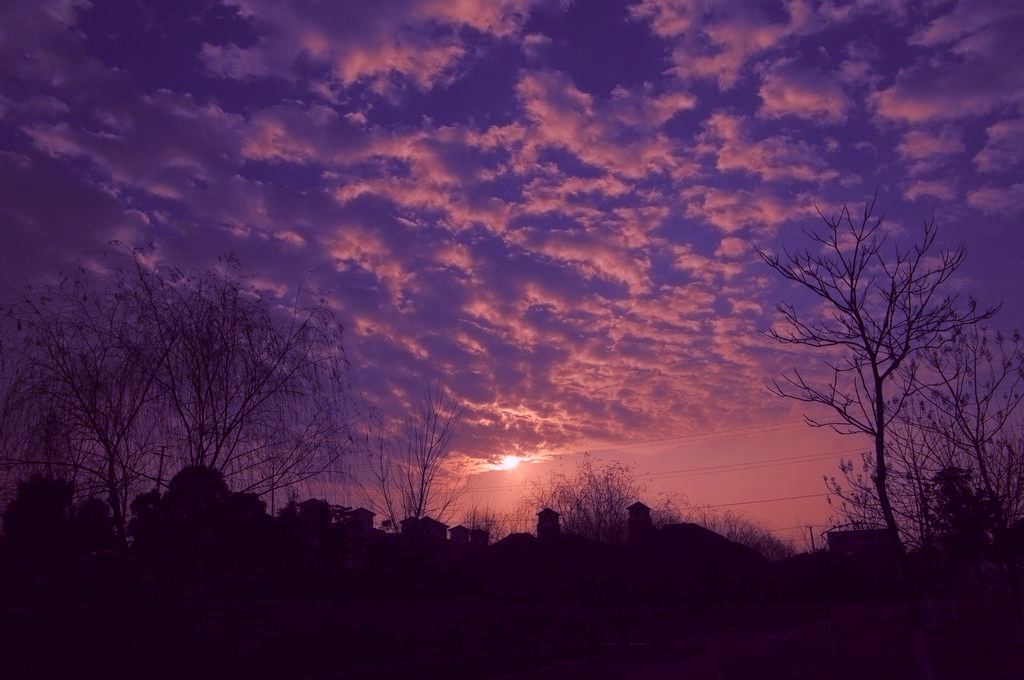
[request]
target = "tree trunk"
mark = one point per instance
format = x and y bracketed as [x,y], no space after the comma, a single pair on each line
[921,654]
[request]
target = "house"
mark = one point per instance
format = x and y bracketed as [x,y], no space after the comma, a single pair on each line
[859,542]
[424,528]
[357,520]
[315,512]
[459,535]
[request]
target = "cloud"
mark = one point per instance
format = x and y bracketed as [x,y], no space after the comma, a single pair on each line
[926,150]
[415,42]
[994,200]
[790,88]
[620,135]
[944,190]
[734,209]
[716,40]
[971,66]
[774,158]
[1004,147]
[567,244]
[922,144]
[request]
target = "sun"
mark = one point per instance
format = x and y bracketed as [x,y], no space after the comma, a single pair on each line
[508,462]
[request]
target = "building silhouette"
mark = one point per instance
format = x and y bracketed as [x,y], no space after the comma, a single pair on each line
[548,526]
[459,535]
[641,526]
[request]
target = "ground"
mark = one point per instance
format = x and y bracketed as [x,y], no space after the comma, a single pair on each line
[972,640]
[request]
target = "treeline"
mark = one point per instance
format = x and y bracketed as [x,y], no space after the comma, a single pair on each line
[196,538]
[117,376]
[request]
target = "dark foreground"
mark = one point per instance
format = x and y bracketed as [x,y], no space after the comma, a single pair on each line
[971,638]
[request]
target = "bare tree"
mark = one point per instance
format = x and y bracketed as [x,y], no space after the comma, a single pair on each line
[412,466]
[592,501]
[978,389]
[120,376]
[916,453]
[497,524]
[82,387]
[880,308]
[255,390]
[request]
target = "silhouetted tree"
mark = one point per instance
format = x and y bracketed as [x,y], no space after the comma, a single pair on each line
[253,388]
[978,386]
[82,386]
[592,501]
[38,530]
[916,453]
[117,377]
[198,529]
[963,517]
[412,471]
[876,311]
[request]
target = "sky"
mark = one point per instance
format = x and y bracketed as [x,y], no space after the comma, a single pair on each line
[550,207]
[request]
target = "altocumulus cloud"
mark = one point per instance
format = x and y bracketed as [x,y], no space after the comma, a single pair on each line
[566,240]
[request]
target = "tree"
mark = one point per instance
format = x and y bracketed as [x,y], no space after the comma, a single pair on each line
[115,378]
[962,516]
[879,309]
[592,501]
[977,388]
[38,530]
[254,389]
[82,387]
[412,471]
[916,453]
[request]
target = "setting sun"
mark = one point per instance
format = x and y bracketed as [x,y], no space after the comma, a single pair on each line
[508,463]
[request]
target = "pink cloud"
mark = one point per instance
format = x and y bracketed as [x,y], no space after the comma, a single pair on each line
[383,45]
[790,88]
[732,246]
[972,67]
[606,135]
[944,190]
[735,33]
[995,200]
[773,158]
[922,144]
[733,209]
[1004,148]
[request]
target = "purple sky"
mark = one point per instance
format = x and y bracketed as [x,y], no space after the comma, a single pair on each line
[550,206]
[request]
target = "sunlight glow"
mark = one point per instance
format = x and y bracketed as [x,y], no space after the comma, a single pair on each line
[508,463]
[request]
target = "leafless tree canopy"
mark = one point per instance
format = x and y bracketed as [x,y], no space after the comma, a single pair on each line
[118,376]
[976,391]
[412,467]
[884,307]
[592,501]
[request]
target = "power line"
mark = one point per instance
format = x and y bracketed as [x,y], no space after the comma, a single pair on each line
[766,500]
[742,465]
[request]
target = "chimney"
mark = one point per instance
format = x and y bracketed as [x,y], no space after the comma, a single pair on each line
[547,525]
[640,523]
